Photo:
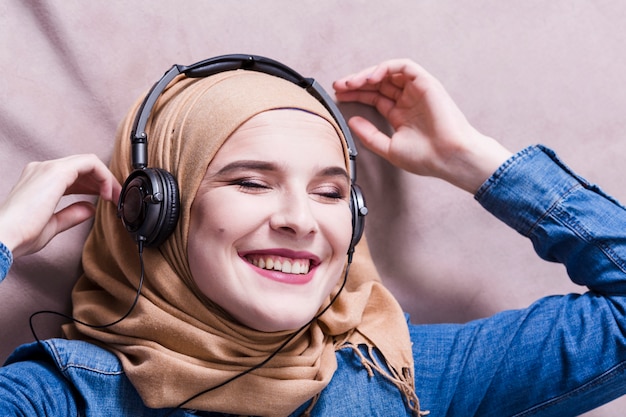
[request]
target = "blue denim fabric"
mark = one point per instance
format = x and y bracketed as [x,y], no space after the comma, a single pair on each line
[562,356]
[6,259]
[63,378]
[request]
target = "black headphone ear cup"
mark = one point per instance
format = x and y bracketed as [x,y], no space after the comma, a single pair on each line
[171,204]
[359,210]
[149,205]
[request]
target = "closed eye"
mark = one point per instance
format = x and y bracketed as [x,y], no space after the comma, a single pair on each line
[332,192]
[250,185]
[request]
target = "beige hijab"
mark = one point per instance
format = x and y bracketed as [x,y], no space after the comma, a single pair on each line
[176,342]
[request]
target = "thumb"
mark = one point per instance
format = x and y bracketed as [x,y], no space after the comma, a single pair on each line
[373,139]
[73,215]
[64,219]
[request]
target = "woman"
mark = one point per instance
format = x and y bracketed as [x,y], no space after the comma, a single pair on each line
[264,179]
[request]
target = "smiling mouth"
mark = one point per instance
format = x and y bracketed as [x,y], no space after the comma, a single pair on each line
[279,263]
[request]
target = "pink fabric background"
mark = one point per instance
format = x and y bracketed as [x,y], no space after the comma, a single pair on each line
[523,72]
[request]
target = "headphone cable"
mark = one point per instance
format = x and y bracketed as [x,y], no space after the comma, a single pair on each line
[94,326]
[221,384]
[272,355]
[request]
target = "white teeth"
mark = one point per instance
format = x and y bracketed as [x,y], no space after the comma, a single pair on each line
[287,266]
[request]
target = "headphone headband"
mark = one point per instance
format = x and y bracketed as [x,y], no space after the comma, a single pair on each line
[223,63]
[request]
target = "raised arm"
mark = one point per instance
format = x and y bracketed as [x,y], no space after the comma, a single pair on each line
[561,356]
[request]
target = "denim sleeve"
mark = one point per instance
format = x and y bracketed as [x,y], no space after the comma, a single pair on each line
[6,259]
[35,388]
[563,355]
[567,219]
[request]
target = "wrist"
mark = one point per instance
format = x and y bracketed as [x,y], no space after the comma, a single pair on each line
[475,162]
[8,236]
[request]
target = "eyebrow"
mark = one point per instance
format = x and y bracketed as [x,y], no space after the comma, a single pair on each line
[247,164]
[335,172]
[332,171]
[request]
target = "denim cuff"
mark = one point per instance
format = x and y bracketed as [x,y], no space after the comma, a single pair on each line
[526,187]
[6,259]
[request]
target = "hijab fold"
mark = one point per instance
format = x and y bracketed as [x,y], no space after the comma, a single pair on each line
[177,342]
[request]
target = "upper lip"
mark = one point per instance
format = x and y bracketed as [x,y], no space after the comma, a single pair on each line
[285,253]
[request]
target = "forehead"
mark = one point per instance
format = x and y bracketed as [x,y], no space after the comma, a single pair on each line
[280,132]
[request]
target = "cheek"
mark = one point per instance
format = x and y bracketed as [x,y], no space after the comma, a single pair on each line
[216,225]
[337,225]
[212,230]
[207,227]
[217,211]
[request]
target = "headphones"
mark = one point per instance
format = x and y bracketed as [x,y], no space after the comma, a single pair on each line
[149,203]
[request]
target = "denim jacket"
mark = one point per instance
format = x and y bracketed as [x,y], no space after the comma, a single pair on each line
[561,356]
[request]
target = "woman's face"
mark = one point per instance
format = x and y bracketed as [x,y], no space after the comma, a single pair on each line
[270,225]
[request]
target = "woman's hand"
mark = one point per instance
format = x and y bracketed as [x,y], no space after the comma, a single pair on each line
[431,136]
[27,217]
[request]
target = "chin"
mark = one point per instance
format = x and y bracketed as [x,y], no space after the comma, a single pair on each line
[279,321]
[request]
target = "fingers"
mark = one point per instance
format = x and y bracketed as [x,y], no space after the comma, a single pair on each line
[395,88]
[59,222]
[431,135]
[73,215]
[87,174]
[370,136]
[395,72]
[27,217]
[353,81]
[77,174]
[381,102]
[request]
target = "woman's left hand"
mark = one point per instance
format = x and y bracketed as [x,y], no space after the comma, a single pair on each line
[431,135]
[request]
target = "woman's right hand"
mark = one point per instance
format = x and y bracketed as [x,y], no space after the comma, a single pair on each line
[28,220]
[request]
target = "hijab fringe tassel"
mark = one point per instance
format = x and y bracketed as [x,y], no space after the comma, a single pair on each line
[404,381]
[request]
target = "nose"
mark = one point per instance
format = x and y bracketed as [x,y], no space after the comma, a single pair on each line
[294,215]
